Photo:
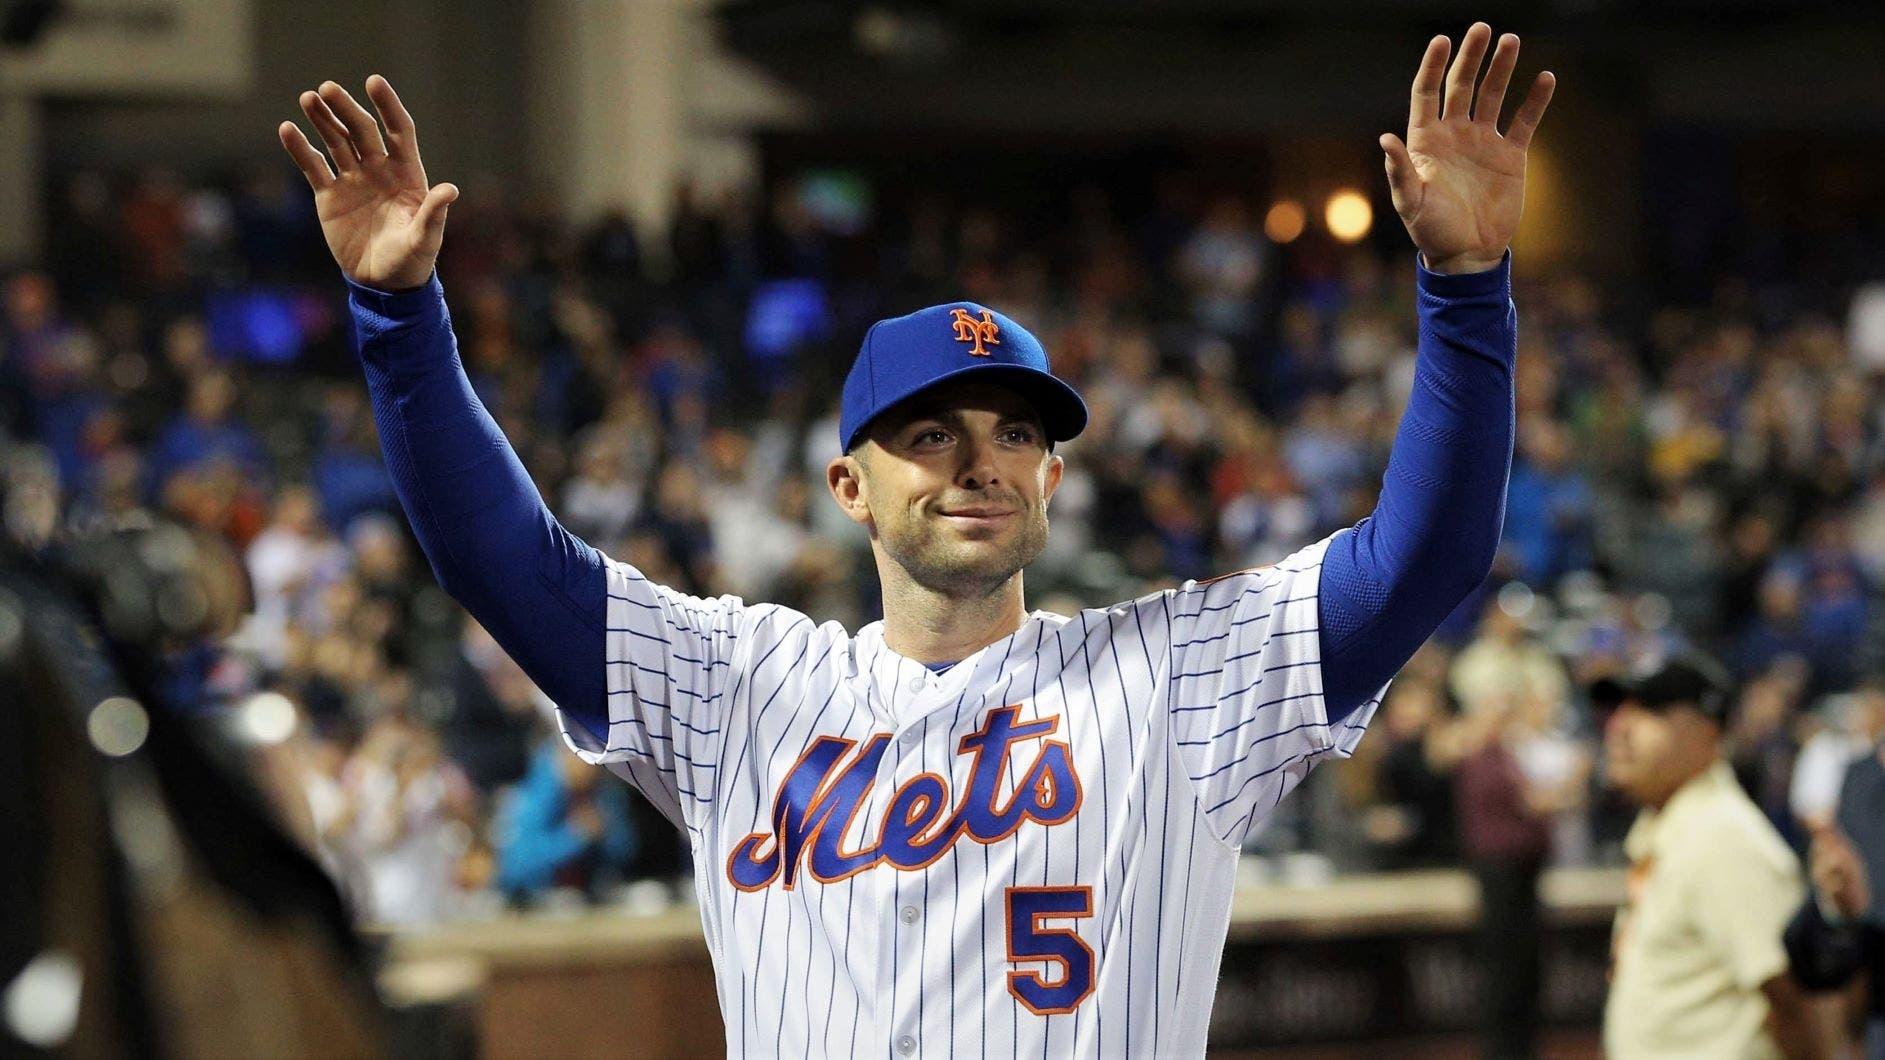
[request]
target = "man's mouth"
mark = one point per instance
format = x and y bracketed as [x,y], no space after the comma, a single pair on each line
[977,515]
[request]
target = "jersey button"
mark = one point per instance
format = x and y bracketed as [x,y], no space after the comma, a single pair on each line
[906,1045]
[917,684]
[909,914]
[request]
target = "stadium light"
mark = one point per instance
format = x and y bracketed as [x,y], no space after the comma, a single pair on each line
[267,718]
[1285,221]
[1348,215]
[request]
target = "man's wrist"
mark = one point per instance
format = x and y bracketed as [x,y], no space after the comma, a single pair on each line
[1494,283]
[395,303]
[1460,264]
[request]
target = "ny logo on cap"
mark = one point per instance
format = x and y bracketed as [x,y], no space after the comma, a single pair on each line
[969,329]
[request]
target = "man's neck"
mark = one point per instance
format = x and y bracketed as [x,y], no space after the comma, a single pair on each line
[1695,770]
[933,627]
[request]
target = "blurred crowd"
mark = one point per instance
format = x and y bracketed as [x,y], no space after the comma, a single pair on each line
[1687,476]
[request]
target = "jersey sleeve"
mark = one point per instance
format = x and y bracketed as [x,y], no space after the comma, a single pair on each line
[490,540]
[668,661]
[1435,530]
[1245,688]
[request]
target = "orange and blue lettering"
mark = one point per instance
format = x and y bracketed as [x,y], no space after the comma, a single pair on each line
[822,793]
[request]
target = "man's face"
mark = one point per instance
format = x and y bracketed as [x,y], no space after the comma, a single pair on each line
[953,485]
[1648,754]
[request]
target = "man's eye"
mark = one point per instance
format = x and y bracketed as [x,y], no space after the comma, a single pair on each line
[1020,435]
[932,435]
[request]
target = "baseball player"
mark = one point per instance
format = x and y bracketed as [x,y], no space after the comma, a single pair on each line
[969,828]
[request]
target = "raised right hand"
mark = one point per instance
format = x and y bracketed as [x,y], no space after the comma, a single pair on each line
[382,222]
[1457,182]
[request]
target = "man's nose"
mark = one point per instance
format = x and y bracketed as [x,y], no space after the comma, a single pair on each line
[977,470]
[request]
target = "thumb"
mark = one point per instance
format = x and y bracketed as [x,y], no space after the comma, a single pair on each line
[431,215]
[1403,179]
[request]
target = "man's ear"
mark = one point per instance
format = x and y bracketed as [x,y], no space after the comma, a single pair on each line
[844,477]
[1055,468]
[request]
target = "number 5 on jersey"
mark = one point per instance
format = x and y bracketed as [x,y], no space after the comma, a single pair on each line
[1029,939]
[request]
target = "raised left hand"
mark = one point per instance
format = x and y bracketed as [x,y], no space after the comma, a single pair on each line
[1457,182]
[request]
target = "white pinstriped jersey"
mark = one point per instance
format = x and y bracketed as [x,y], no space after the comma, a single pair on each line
[1031,853]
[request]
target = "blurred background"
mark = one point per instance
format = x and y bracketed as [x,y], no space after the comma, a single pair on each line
[678,217]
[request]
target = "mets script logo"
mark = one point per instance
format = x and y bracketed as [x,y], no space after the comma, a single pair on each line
[823,791]
[969,329]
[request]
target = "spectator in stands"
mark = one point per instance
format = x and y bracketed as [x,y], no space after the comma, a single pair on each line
[495,712]
[1506,836]
[603,498]
[1850,728]
[1833,614]
[1505,668]
[151,219]
[1222,264]
[48,373]
[566,827]
[206,430]
[1839,931]
[1325,455]
[1778,629]
[1676,552]
[1556,763]
[1868,527]
[1697,964]
[1548,507]
[1300,363]
[347,473]
[289,562]
[1412,823]
[1753,540]
[1763,740]
[404,822]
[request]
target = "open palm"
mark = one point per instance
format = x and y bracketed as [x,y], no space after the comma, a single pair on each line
[383,223]
[1457,182]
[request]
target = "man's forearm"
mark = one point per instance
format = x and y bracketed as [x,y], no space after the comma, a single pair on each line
[1390,582]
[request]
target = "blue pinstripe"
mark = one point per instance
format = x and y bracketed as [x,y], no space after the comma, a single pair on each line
[1277,702]
[1292,760]
[1007,685]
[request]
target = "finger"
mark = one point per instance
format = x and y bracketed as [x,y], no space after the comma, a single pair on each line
[332,132]
[431,215]
[402,134]
[1498,75]
[312,165]
[1403,179]
[360,125]
[1530,112]
[1459,80]
[1424,105]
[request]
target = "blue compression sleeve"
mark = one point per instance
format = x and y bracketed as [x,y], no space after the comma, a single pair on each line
[494,546]
[1388,584]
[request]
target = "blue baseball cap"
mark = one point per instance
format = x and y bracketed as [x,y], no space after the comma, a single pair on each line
[904,356]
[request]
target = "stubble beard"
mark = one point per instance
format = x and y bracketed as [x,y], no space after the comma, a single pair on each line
[963,569]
